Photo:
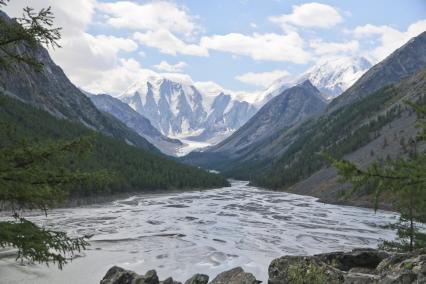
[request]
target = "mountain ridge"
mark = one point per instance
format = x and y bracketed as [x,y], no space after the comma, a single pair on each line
[179,110]
[51,90]
[137,122]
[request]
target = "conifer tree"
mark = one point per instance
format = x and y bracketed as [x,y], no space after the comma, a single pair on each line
[35,176]
[405,178]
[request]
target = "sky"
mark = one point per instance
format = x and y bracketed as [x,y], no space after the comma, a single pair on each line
[237,45]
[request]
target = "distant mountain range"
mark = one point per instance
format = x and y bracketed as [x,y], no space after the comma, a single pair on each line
[198,117]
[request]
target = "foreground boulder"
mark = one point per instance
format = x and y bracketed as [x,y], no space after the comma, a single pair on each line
[118,275]
[302,269]
[198,279]
[361,266]
[235,276]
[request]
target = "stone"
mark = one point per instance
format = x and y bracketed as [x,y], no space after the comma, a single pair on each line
[360,278]
[405,277]
[170,281]
[150,278]
[280,270]
[357,258]
[235,276]
[118,275]
[198,279]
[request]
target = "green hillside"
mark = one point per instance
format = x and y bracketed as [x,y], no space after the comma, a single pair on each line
[131,168]
[341,132]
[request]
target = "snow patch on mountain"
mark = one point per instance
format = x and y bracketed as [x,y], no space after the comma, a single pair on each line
[331,75]
[200,113]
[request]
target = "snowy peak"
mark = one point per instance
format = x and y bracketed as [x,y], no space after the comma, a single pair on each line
[332,76]
[179,109]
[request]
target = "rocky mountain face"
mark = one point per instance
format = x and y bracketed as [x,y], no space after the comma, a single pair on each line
[137,122]
[282,112]
[180,110]
[50,89]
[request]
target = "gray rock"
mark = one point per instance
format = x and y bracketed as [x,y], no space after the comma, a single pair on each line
[358,258]
[235,276]
[150,278]
[406,277]
[360,278]
[198,279]
[170,281]
[118,275]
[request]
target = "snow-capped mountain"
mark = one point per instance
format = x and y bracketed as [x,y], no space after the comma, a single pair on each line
[180,110]
[332,76]
[202,114]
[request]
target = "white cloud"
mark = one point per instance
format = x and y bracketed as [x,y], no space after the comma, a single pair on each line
[91,62]
[156,15]
[262,79]
[211,88]
[116,80]
[168,43]
[309,15]
[321,47]
[269,46]
[172,68]
[253,25]
[72,16]
[389,38]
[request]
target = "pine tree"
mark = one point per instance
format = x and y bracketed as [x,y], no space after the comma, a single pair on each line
[405,178]
[32,30]
[30,178]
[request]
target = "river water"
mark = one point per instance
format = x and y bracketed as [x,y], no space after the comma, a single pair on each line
[181,234]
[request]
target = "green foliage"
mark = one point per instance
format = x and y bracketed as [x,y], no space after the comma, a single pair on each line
[43,159]
[133,169]
[404,178]
[55,164]
[39,244]
[32,29]
[341,132]
[307,273]
[34,176]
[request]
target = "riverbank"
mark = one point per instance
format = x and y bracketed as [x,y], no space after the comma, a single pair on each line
[360,266]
